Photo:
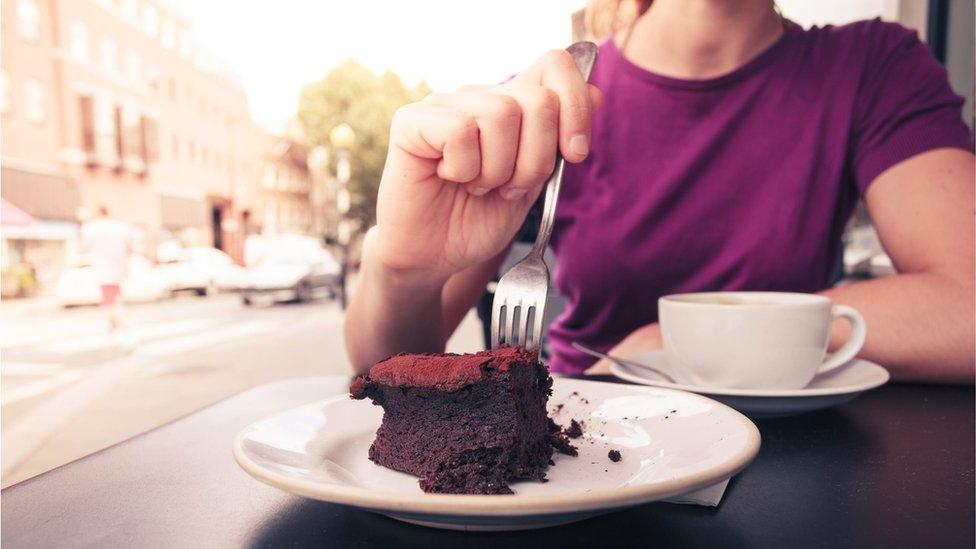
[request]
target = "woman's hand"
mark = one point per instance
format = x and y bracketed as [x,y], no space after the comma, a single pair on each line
[464,168]
[642,339]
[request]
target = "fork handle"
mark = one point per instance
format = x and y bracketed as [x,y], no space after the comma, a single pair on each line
[584,54]
[549,207]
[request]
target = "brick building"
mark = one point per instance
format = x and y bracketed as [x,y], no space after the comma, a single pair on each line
[110,102]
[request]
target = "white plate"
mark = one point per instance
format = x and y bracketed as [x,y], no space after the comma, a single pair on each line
[829,389]
[671,442]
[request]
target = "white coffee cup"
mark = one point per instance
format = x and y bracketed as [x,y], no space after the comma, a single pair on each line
[753,340]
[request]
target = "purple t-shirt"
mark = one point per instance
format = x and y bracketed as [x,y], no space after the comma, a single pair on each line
[741,182]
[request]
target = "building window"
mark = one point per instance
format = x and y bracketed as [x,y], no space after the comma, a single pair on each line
[129,127]
[150,140]
[86,108]
[133,66]
[152,77]
[34,101]
[130,7]
[150,20]
[110,54]
[78,40]
[5,95]
[186,44]
[28,19]
[107,138]
[172,89]
[191,150]
[169,34]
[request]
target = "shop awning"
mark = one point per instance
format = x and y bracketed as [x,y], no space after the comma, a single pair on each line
[178,212]
[43,195]
[12,216]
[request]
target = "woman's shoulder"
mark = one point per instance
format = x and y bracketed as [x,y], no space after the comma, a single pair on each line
[871,37]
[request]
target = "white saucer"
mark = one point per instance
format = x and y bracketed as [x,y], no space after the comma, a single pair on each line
[671,442]
[829,389]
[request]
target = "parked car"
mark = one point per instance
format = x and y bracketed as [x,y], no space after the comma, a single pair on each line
[294,269]
[201,270]
[79,285]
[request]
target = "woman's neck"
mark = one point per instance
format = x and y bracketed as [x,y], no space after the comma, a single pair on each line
[699,39]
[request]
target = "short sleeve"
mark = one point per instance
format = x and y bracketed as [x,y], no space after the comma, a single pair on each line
[904,104]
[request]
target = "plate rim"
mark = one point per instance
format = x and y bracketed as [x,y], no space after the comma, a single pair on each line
[516,505]
[621,372]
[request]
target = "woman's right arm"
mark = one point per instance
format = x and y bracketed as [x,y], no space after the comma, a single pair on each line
[461,173]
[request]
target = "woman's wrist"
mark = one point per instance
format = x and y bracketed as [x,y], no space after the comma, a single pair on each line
[393,275]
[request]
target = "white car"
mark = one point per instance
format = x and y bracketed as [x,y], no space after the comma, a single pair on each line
[297,271]
[143,283]
[202,270]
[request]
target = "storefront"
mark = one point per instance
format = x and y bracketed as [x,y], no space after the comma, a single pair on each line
[40,231]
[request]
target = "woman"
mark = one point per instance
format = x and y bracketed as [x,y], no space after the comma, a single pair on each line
[728,152]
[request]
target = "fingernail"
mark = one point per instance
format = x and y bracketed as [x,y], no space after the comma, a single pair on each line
[478,191]
[580,145]
[513,194]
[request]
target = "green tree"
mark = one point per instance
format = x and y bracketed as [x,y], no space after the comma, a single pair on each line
[366,101]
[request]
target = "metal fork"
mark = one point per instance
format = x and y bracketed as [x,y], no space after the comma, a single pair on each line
[520,296]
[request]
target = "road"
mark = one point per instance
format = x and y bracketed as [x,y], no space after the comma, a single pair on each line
[68,388]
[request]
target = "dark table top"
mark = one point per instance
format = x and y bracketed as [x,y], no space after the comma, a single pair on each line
[893,468]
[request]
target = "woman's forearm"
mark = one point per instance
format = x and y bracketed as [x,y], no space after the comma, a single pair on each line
[392,312]
[920,325]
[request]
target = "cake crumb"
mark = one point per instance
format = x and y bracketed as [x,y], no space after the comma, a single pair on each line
[614,455]
[558,408]
[559,440]
[575,429]
[579,396]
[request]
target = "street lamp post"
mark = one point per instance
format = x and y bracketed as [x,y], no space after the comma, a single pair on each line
[318,162]
[342,139]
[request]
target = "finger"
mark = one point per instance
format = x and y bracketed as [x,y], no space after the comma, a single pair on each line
[596,96]
[557,71]
[475,87]
[601,367]
[538,140]
[444,137]
[498,117]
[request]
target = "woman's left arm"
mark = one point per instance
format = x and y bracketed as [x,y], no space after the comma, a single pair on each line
[921,322]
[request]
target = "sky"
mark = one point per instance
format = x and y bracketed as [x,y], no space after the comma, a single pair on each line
[278,46]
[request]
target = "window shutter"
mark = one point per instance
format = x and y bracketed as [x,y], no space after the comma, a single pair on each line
[86,107]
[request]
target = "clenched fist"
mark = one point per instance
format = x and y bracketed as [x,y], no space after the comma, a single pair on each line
[464,168]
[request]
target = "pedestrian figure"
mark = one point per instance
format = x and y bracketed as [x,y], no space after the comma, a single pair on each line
[107,243]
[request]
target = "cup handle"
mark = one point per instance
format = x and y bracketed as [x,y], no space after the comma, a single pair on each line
[854,343]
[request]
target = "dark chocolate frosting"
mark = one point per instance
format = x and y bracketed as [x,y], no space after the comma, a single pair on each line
[447,372]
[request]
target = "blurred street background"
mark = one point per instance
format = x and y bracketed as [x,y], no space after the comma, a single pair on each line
[70,388]
[240,144]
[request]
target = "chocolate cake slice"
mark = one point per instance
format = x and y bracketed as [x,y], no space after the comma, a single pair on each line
[467,423]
